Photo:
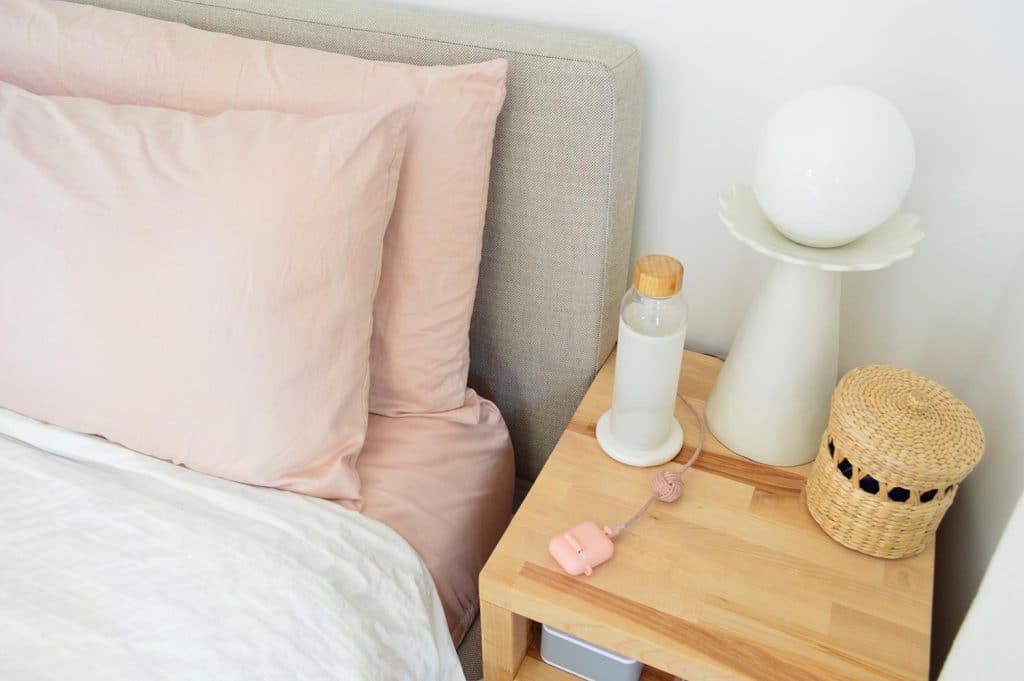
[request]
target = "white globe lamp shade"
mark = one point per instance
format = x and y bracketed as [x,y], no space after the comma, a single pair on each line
[834,163]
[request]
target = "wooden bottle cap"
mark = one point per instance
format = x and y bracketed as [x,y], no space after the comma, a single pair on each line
[658,276]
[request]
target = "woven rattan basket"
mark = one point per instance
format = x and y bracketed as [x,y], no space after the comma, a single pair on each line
[895,451]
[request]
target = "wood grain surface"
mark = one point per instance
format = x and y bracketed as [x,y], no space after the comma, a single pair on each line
[733,581]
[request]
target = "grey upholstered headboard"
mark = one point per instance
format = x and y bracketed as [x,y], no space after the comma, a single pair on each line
[563,179]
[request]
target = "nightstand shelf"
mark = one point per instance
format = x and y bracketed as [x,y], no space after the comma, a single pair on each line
[534,668]
[735,580]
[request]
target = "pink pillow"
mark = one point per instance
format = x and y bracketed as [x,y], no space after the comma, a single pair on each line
[420,356]
[197,289]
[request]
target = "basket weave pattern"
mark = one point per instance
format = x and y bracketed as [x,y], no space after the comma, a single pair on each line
[890,463]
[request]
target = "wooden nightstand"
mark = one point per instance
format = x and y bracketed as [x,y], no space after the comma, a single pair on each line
[733,581]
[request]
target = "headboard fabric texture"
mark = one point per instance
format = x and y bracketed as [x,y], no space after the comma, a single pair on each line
[563,180]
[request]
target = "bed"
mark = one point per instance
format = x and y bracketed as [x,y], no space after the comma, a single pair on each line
[554,264]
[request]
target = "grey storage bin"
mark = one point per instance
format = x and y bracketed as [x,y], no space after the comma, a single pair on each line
[586,660]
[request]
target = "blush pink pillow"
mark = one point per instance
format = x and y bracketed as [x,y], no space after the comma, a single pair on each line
[420,354]
[197,289]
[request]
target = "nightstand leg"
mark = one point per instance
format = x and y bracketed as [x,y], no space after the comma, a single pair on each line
[505,637]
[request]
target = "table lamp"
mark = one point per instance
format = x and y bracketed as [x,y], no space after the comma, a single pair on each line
[832,169]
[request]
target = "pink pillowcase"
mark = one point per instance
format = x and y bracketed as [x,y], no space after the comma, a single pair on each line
[197,289]
[420,353]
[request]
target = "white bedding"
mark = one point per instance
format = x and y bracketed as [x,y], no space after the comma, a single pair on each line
[117,566]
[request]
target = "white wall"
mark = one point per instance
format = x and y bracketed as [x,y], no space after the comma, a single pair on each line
[714,72]
[988,644]
[972,528]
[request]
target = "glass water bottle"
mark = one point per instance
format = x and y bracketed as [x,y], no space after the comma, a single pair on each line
[640,429]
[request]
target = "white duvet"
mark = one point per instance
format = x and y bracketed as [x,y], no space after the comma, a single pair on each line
[117,566]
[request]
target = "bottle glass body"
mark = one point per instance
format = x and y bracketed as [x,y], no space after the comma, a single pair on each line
[652,333]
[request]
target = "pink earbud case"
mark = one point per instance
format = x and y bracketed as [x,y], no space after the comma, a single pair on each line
[582,548]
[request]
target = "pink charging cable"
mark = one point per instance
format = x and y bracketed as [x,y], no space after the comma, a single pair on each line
[582,548]
[666,486]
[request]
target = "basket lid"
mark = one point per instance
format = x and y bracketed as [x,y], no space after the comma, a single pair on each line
[902,427]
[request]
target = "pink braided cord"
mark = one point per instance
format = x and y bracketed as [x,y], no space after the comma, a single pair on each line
[666,485]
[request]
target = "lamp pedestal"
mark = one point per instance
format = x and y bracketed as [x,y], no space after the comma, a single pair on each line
[771,401]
